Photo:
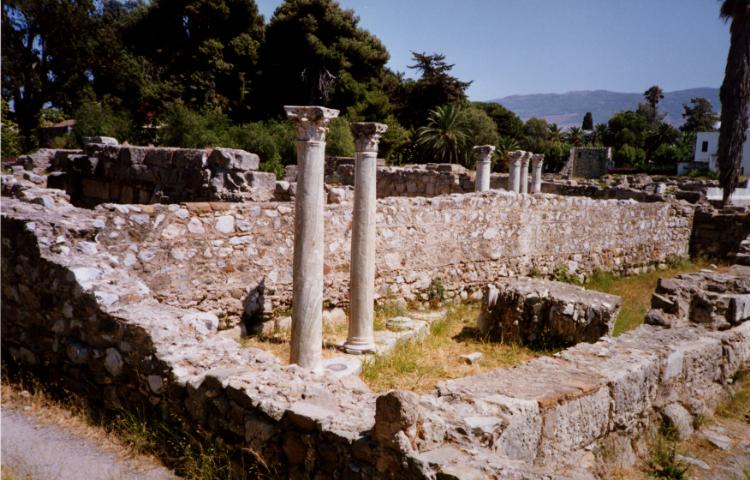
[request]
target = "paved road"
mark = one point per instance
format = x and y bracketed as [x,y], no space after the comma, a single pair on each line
[36,451]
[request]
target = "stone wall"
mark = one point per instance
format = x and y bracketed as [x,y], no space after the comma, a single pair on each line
[428,180]
[588,162]
[74,314]
[129,174]
[719,233]
[463,240]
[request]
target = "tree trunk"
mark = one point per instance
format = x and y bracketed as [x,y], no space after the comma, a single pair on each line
[735,96]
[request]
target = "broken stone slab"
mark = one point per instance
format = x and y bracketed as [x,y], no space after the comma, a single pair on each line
[100,140]
[234,159]
[471,358]
[717,439]
[678,418]
[546,313]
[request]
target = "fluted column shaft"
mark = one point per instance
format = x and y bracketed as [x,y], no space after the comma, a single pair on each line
[537,163]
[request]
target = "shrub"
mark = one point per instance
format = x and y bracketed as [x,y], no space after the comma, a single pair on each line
[339,140]
[183,127]
[100,119]
[11,143]
[630,155]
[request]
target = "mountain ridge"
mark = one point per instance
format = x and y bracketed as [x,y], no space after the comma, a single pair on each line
[567,109]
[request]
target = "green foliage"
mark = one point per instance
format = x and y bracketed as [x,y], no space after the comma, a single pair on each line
[339,139]
[700,117]
[507,123]
[99,118]
[435,87]
[588,121]
[314,52]
[556,154]
[481,128]
[562,274]
[272,140]
[574,136]
[505,145]
[663,463]
[63,141]
[394,141]
[535,135]
[184,127]
[436,292]
[11,144]
[445,138]
[628,155]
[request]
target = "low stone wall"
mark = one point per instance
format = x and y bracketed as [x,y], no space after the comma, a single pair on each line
[428,180]
[464,241]
[76,316]
[546,313]
[129,174]
[719,233]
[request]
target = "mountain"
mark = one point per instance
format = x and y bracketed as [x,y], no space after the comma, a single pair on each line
[568,109]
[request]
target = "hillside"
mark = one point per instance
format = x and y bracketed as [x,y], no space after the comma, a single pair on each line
[568,109]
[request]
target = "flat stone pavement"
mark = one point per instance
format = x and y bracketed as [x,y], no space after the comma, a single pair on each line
[37,451]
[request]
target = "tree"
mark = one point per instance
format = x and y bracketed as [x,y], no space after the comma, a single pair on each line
[588,121]
[481,129]
[339,140]
[444,139]
[653,96]
[734,95]
[46,56]
[205,51]
[507,123]
[435,87]
[315,53]
[505,145]
[575,136]
[535,135]
[700,117]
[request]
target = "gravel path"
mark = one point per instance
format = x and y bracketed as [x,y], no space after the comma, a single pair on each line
[36,451]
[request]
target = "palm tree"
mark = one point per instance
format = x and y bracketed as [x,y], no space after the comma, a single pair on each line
[575,136]
[734,95]
[554,133]
[653,96]
[446,135]
[504,146]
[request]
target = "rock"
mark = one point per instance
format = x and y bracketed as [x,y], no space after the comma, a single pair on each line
[395,411]
[225,224]
[471,358]
[100,140]
[335,317]
[692,461]
[155,383]
[234,159]
[203,322]
[679,418]
[113,362]
[719,440]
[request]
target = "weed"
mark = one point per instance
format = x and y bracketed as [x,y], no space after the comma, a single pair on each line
[562,274]
[663,463]
[436,292]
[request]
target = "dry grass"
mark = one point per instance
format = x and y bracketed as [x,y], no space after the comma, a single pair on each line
[420,365]
[636,291]
[73,418]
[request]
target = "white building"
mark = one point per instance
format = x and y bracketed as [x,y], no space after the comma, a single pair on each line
[707,149]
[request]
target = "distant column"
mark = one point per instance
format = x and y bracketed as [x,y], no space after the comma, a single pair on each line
[360,338]
[537,162]
[525,172]
[514,171]
[484,155]
[307,276]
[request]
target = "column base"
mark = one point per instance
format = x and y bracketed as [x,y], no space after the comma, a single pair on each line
[356,347]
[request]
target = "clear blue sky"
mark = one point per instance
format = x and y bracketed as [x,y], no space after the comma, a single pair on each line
[552,46]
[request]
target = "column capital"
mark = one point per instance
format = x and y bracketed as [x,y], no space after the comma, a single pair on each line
[536,159]
[367,135]
[311,121]
[483,151]
[526,157]
[516,156]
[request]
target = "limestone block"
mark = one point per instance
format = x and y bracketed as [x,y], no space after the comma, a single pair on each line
[233,159]
[545,312]
[678,418]
[396,411]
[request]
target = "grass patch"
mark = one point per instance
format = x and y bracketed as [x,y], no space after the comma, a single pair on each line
[636,290]
[421,364]
[738,406]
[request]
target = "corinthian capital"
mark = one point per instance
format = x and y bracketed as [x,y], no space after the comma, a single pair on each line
[311,121]
[367,135]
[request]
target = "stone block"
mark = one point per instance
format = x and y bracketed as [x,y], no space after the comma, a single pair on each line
[546,313]
[233,159]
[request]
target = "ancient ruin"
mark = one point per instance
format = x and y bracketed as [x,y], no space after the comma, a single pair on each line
[128,271]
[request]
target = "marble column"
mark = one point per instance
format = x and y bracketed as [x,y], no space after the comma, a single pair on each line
[484,156]
[524,183]
[307,276]
[537,162]
[360,338]
[514,171]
